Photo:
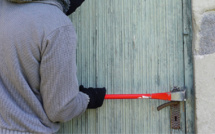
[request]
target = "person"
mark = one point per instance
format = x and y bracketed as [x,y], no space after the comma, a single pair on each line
[38,83]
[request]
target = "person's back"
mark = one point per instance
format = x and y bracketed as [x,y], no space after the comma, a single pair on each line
[38,85]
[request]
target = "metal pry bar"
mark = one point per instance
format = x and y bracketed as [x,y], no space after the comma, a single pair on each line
[170,96]
[178,95]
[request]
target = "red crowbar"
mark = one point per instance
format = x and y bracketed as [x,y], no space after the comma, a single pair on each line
[170,96]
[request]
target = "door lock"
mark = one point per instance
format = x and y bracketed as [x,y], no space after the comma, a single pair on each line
[174,107]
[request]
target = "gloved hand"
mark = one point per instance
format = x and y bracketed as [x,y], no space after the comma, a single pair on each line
[96,96]
[74,4]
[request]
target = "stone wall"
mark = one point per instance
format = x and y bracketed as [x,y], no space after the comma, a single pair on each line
[204,63]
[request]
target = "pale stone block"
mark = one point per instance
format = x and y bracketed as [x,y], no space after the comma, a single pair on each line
[205,95]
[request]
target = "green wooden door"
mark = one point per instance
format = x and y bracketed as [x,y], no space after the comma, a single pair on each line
[133,46]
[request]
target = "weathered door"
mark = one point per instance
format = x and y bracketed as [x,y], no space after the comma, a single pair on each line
[133,46]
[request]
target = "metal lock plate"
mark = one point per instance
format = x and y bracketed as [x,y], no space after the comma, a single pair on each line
[175,113]
[175,116]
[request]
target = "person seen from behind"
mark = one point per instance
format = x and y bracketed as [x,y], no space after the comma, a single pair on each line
[38,83]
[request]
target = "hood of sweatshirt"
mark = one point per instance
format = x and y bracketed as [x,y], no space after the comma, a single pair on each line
[64,3]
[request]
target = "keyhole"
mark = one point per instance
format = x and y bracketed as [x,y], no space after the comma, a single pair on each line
[176,118]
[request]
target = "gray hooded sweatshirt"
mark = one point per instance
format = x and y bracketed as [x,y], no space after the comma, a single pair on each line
[38,82]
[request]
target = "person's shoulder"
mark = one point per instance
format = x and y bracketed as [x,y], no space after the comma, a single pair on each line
[46,16]
[53,13]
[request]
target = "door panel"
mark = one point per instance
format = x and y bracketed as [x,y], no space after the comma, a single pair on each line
[129,46]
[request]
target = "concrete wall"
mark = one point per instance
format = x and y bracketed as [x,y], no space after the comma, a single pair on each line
[204,63]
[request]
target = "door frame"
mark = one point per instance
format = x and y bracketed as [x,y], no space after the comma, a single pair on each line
[188,67]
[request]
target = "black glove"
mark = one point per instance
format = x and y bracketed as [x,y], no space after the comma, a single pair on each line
[96,96]
[74,4]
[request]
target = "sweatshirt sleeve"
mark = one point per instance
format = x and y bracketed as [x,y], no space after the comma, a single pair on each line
[59,87]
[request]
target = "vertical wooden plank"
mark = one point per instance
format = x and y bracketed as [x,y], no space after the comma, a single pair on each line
[188,62]
[177,54]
